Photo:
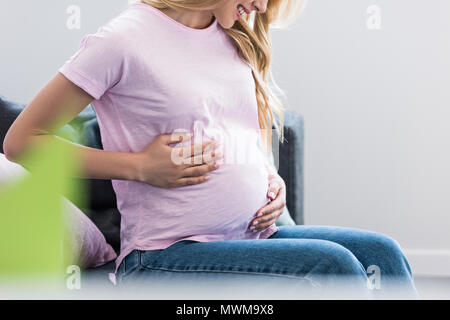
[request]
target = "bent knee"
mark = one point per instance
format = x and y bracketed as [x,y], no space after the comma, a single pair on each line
[337,259]
[387,252]
[383,243]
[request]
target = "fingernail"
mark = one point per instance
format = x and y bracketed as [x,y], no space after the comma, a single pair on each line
[216,165]
[259,214]
[207,177]
[252,228]
[271,194]
[254,231]
[255,223]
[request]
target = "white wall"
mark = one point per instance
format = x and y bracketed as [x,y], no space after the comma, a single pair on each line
[376,108]
[36,41]
[375,102]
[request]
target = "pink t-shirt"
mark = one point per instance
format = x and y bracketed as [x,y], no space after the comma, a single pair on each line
[151,75]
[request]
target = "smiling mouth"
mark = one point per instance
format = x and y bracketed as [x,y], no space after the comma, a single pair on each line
[241,11]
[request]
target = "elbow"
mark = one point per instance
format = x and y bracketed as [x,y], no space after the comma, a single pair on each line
[7,151]
[10,147]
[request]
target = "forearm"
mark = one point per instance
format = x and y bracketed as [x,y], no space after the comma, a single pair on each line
[94,163]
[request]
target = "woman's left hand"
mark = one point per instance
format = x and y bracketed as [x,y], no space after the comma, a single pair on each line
[270,213]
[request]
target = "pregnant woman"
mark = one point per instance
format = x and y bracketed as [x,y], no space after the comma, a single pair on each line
[191,210]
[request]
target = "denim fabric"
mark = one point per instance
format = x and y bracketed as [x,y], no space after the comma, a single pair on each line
[299,261]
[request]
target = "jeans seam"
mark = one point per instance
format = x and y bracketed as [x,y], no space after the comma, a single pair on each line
[238,272]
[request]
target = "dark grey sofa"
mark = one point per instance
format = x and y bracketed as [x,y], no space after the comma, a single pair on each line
[101,201]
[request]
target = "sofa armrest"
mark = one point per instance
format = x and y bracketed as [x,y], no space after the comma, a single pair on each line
[289,161]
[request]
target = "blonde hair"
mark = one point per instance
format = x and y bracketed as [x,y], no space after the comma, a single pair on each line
[255,48]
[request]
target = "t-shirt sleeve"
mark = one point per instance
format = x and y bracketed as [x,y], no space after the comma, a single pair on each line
[97,66]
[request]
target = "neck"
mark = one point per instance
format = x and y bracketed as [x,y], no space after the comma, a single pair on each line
[193,19]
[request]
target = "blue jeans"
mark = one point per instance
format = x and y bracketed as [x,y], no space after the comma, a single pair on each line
[296,262]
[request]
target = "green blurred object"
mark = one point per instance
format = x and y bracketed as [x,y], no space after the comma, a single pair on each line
[69,133]
[31,219]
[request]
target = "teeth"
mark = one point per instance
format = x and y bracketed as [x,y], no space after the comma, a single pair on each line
[241,10]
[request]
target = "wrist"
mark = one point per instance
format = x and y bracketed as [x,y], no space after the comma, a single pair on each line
[134,167]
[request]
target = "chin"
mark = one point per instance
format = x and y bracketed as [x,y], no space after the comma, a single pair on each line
[226,24]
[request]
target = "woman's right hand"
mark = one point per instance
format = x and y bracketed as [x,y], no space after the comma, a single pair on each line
[158,167]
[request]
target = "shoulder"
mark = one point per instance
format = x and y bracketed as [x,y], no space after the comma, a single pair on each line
[124,30]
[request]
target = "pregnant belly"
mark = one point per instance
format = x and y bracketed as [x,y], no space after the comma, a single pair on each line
[223,205]
[230,199]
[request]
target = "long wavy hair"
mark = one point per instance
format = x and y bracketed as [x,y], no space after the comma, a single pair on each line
[252,40]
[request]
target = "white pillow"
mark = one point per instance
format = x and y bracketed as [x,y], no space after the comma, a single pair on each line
[89,248]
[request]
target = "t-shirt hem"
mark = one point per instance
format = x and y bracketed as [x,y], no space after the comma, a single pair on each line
[163,244]
[269,232]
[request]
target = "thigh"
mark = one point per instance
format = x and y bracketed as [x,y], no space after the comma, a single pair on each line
[285,257]
[370,248]
[287,261]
